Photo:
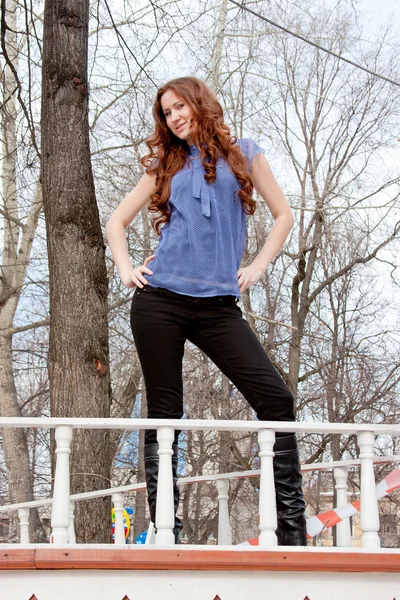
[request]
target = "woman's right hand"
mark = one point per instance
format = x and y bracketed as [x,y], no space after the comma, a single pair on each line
[135,277]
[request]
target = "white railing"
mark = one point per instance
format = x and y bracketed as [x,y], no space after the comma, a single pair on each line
[118,497]
[62,502]
[222,481]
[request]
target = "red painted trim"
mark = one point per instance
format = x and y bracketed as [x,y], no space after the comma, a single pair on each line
[200,560]
[17,559]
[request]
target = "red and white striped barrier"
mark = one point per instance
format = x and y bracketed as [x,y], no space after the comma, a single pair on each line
[332,517]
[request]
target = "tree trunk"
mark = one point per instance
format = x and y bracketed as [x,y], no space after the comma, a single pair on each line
[78,353]
[19,473]
[140,497]
[217,49]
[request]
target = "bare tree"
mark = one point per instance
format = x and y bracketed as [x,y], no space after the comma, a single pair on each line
[326,130]
[17,244]
[78,355]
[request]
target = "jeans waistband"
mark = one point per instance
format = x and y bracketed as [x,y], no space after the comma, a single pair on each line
[207,300]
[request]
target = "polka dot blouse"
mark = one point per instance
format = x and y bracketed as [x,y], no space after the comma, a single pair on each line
[201,247]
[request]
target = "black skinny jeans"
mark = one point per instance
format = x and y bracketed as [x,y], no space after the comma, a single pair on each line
[161,321]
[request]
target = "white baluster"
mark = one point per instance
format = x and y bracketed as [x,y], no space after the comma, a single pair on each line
[267,508]
[119,533]
[71,528]
[224,526]
[60,508]
[343,534]
[151,535]
[23,516]
[369,515]
[165,517]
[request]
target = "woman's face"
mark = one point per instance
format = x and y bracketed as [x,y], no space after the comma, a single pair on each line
[178,115]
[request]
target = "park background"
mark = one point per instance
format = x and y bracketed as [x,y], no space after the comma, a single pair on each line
[327,309]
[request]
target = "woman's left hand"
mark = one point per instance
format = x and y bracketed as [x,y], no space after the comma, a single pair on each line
[248,275]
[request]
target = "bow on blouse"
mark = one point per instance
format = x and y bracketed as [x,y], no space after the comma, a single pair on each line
[200,188]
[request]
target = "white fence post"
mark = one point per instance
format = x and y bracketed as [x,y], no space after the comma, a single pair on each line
[343,534]
[267,509]
[119,533]
[60,509]
[23,516]
[151,536]
[369,515]
[224,526]
[165,516]
[71,528]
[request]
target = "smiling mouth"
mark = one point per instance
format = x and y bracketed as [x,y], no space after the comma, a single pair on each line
[180,127]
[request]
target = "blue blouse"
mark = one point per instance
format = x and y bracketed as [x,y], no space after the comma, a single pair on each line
[201,247]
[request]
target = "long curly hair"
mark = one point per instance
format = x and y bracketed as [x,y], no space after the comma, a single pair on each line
[168,153]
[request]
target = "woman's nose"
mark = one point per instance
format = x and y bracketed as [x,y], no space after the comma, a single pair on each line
[175,117]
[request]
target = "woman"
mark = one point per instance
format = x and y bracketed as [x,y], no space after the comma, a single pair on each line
[199,183]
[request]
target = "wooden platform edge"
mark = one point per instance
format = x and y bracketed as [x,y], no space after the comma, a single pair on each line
[17,559]
[198,560]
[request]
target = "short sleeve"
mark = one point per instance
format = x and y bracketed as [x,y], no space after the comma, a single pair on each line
[249,148]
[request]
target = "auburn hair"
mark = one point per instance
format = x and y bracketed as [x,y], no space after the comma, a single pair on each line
[168,153]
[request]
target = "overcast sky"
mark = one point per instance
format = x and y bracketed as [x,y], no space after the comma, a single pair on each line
[376,13]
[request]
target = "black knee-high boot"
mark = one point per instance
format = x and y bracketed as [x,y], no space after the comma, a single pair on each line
[151,462]
[290,503]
